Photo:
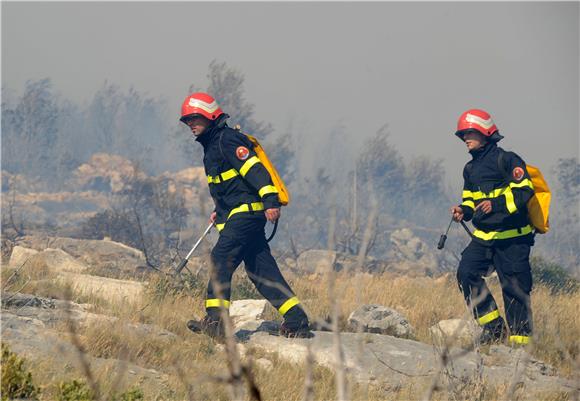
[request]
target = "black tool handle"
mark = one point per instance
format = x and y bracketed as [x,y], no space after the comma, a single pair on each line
[273,231]
[180,266]
[442,240]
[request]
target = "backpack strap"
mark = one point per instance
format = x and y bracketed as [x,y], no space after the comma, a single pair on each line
[501,165]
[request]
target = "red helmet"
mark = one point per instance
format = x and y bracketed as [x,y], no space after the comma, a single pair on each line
[200,104]
[478,120]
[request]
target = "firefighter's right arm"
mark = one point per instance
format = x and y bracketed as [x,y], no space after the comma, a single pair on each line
[467,204]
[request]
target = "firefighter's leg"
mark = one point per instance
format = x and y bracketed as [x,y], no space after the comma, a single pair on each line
[475,263]
[225,258]
[513,267]
[263,270]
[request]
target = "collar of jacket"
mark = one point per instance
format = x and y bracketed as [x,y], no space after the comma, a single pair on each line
[210,133]
[484,150]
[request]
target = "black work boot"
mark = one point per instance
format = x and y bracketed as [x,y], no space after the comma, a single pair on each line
[296,324]
[209,326]
[289,331]
[494,332]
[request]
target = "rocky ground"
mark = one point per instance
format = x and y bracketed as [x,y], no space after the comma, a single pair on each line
[378,348]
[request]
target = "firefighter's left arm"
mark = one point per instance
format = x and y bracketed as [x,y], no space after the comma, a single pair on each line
[239,152]
[520,188]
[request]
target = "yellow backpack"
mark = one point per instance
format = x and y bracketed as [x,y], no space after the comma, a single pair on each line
[539,204]
[283,194]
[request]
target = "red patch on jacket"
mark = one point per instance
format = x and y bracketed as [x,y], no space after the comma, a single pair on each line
[242,152]
[518,173]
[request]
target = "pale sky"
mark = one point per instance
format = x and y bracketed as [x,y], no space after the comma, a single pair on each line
[416,66]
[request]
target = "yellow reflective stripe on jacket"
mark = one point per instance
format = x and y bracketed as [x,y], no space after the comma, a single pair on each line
[489,195]
[488,317]
[468,203]
[267,189]
[524,183]
[504,191]
[491,235]
[286,306]
[246,207]
[248,165]
[519,339]
[467,194]
[510,202]
[216,303]
[226,175]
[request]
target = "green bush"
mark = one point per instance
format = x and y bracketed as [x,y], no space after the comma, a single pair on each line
[161,287]
[553,276]
[134,394]
[75,391]
[16,380]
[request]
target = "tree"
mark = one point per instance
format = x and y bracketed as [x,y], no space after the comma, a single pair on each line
[32,130]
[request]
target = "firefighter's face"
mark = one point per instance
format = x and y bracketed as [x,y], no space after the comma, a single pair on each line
[197,124]
[474,140]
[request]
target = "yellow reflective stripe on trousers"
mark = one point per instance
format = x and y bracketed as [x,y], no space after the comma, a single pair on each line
[516,232]
[468,203]
[286,306]
[248,165]
[488,317]
[519,339]
[216,303]
[267,189]
[246,207]
[226,175]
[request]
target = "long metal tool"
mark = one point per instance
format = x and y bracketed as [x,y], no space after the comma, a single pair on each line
[182,264]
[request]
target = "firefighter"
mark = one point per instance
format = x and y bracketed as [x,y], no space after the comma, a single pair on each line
[245,199]
[496,190]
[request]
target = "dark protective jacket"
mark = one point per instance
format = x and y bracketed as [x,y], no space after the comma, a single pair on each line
[501,177]
[239,184]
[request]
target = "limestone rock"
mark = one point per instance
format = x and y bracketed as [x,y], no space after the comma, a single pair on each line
[316,261]
[20,255]
[99,254]
[380,319]
[56,260]
[409,253]
[247,313]
[455,331]
[393,362]
[104,287]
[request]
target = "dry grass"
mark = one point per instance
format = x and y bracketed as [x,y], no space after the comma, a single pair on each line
[194,363]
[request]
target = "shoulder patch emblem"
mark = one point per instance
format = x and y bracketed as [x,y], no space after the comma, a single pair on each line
[518,173]
[242,152]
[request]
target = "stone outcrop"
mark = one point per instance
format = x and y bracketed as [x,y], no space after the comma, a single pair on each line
[380,319]
[55,260]
[455,331]
[409,254]
[97,254]
[316,261]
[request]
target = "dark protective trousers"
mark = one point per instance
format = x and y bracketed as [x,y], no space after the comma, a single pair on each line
[244,239]
[512,263]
